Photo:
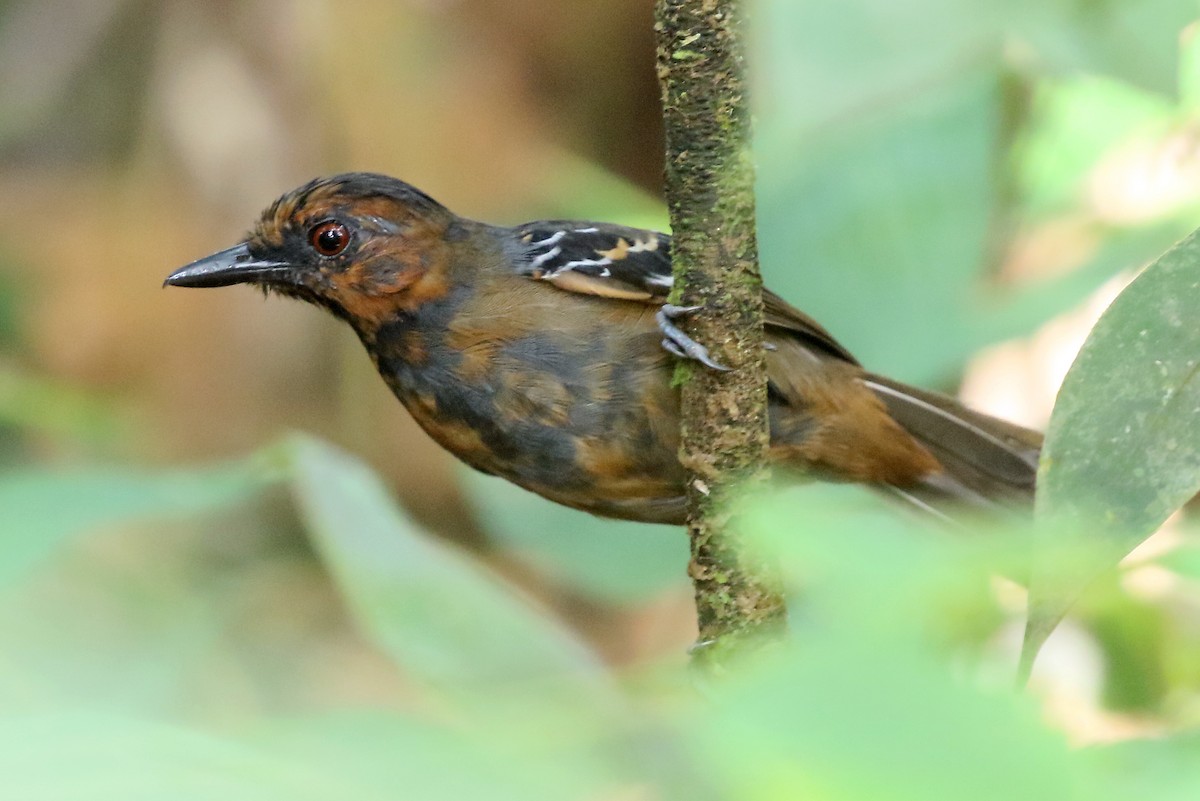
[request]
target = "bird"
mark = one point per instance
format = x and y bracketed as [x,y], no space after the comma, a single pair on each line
[543,353]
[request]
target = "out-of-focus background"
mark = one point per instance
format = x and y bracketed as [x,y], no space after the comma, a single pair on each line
[138,136]
[956,188]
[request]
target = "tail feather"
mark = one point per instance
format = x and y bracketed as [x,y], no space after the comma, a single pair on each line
[986,461]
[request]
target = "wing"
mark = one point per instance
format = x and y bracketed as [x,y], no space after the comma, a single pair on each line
[634,264]
[597,259]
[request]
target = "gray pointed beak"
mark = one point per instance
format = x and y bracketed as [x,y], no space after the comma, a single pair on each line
[235,265]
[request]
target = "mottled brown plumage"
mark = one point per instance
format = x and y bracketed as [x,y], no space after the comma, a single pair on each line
[533,353]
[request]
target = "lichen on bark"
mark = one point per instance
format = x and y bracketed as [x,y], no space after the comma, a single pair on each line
[710,195]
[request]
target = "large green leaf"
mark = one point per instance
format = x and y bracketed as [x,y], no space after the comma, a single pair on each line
[385,755]
[81,756]
[880,227]
[78,755]
[882,135]
[1166,769]
[854,56]
[842,719]
[41,510]
[1122,450]
[860,704]
[1137,42]
[443,617]
[837,63]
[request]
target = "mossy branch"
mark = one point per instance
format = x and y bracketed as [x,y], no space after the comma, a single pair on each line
[710,194]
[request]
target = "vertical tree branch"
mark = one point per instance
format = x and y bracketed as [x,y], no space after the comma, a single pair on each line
[710,193]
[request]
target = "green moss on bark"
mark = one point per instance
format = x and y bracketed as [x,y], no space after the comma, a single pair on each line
[710,193]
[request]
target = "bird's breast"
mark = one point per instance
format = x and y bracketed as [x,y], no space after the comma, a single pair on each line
[572,409]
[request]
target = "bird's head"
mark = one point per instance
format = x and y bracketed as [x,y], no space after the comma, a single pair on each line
[365,246]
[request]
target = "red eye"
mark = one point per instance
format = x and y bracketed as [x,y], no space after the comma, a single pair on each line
[329,238]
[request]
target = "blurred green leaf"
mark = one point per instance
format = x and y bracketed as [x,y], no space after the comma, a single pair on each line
[868,700]
[880,227]
[875,140]
[94,757]
[375,754]
[1189,69]
[50,407]
[878,144]
[1132,634]
[859,705]
[1122,450]
[842,716]
[1163,769]
[1184,560]
[858,58]
[8,306]
[41,510]
[1136,42]
[845,62]
[612,560]
[444,618]
[853,560]
[361,756]
[1073,124]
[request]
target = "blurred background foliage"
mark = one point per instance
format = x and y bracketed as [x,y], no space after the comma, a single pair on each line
[956,188]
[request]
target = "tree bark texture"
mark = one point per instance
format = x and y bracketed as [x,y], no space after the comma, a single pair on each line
[710,194]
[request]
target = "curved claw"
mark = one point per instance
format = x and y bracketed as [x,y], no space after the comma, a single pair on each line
[679,343]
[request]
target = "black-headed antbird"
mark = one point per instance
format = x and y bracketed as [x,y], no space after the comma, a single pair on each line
[536,353]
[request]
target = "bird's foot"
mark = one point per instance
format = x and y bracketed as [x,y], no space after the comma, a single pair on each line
[679,343]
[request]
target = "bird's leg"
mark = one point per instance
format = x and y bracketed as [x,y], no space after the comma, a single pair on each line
[679,343]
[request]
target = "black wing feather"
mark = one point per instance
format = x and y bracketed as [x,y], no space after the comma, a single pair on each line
[634,264]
